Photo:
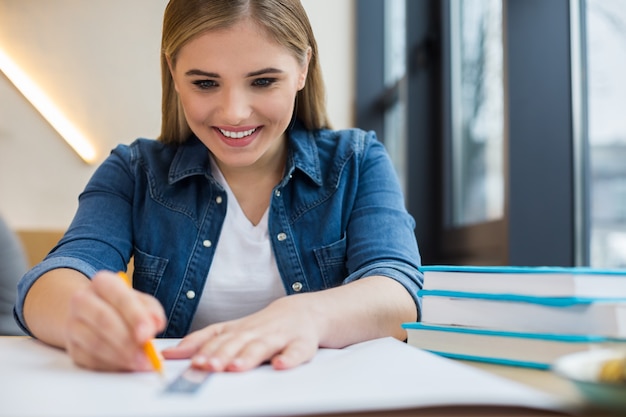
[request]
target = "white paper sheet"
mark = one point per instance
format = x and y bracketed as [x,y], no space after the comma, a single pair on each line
[383,374]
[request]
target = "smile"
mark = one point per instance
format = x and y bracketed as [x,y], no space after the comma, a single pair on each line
[237,135]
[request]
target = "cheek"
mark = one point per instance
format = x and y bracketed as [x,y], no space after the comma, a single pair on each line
[193,108]
[279,108]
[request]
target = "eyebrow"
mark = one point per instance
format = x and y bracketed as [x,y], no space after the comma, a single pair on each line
[270,70]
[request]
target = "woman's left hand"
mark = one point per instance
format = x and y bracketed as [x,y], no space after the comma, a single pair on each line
[283,333]
[289,331]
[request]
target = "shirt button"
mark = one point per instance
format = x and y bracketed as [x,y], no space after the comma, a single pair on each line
[296,286]
[191,294]
[218,199]
[281,236]
[277,193]
[206,243]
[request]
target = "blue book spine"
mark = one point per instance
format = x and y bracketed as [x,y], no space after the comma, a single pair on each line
[497,361]
[566,338]
[548,301]
[559,338]
[523,269]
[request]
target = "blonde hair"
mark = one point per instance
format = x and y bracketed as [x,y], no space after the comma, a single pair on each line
[284,20]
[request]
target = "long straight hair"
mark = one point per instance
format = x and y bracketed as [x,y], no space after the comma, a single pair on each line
[285,21]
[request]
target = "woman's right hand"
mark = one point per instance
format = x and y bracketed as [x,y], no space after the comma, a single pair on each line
[108,324]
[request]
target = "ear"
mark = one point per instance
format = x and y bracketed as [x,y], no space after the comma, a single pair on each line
[171,68]
[305,70]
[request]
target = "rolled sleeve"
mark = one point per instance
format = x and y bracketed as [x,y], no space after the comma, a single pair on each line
[33,275]
[409,277]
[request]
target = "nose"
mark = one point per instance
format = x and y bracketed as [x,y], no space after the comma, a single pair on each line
[235,105]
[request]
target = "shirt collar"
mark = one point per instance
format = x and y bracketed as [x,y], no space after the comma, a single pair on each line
[192,157]
[303,153]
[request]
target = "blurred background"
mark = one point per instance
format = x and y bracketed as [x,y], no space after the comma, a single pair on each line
[504,118]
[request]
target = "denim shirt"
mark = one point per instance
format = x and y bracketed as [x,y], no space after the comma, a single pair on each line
[337,215]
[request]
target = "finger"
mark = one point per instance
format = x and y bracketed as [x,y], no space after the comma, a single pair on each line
[91,348]
[91,311]
[127,303]
[97,336]
[253,354]
[217,353]
[157,314]
[104,357]
[155,310]
[191,343]
[294,354]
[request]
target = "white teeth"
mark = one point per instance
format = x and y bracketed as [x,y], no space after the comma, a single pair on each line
[237,135]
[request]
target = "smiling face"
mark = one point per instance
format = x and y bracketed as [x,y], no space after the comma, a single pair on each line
[237,88]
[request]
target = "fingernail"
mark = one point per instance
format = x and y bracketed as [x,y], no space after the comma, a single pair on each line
[237,364]
[202,361]
[199,361]
[278,362]
[216,365]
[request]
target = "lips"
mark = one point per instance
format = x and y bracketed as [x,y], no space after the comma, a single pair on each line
[237,135]
[238,138]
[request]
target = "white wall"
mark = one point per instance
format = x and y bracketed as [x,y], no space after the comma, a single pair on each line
[99,61]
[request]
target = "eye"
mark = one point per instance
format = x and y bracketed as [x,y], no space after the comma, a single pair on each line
[204,84]
[263,82]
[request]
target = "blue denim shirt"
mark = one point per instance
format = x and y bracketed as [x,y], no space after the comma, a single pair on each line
[337,215]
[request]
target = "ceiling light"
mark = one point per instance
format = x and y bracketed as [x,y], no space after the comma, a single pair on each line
[48,109]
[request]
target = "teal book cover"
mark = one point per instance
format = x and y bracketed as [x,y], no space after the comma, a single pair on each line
[525,349]
[557,282]
[524,269]
[520,298]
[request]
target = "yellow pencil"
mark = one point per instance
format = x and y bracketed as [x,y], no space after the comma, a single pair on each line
[148,347]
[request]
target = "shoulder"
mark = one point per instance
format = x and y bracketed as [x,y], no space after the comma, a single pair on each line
[360,146]
[325,154]
[336,143]
[151,153]
[145,149]
[128,161]
[354,139]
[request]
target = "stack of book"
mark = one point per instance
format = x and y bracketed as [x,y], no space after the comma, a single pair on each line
[524,316]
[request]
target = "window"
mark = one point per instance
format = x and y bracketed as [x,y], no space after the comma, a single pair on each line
[395,79]
[477,111]
[605,46]
[497,172]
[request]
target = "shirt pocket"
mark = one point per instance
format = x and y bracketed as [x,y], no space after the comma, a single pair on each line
[148,272]
[331,260]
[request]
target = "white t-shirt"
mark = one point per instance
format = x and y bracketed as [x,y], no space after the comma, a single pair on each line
[243,277]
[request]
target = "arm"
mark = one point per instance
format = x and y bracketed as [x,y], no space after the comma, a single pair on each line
[66,302]
[343,310]
[289,331]
[46,306]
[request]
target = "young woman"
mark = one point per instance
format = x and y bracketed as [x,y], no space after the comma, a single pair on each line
[257,233]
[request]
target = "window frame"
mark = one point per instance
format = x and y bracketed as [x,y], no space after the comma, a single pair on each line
[544,214]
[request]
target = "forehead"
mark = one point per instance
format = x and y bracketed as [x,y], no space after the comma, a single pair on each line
[245,44]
